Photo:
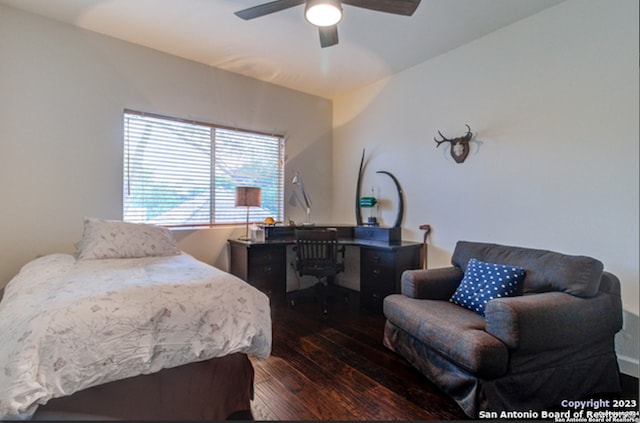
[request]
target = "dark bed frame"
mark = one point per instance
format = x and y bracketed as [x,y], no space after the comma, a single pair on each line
[215,389]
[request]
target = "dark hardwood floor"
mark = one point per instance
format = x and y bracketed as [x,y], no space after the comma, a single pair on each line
[336,368]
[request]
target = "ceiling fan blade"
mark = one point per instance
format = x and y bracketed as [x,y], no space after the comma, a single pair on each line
[398,7]
[267,8]
[328,35]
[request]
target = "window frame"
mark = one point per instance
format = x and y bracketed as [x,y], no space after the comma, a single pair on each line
[279,194]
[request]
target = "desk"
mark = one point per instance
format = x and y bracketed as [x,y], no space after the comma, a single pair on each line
[381,263]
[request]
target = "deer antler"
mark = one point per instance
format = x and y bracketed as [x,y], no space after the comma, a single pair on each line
[464,139]
[444,139]
[467,136]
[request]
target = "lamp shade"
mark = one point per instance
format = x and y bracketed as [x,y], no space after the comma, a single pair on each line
[248,196]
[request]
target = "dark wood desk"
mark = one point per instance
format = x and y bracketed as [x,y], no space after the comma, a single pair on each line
[264,264]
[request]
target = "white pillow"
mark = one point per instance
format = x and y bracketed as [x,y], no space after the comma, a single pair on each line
[104,239]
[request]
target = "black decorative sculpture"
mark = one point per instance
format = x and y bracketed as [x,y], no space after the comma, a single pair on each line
[400,199]
[358,183]
[398,221]
[459,146]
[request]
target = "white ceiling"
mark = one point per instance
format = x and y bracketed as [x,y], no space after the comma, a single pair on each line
[282,48]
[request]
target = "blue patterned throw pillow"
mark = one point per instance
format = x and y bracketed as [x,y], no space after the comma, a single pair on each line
[482,282]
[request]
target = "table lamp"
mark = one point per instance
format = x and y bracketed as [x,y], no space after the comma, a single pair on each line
[248,197]
[297,180]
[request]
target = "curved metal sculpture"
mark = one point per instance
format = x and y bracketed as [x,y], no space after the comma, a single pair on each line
[400,199]
[358,215]
[398,221]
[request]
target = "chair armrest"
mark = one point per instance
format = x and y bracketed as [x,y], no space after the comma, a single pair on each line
[610,284]
[549,320]
[433,284]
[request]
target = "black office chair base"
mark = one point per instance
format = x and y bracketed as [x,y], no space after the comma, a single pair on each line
[319,295]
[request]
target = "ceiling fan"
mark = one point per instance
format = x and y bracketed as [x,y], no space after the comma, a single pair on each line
[325,14]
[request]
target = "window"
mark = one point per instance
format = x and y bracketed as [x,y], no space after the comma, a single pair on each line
[180,172]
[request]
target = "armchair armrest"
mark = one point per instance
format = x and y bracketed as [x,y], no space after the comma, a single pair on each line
[433,284]
[549,320]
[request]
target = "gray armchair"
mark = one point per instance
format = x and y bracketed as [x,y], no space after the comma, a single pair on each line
[527,352]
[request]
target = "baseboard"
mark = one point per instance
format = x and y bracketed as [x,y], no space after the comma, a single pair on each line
[626,344]
[629,365]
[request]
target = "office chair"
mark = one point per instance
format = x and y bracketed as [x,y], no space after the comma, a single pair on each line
[318,254]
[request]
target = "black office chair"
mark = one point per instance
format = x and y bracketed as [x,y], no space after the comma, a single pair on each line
[318,254]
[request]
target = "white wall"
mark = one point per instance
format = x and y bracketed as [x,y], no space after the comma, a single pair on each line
[553,103]
[62,94]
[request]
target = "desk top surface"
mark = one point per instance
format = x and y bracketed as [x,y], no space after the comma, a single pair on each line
[284,235]
[343,241]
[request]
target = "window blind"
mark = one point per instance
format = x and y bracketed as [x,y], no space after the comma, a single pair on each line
[179,172]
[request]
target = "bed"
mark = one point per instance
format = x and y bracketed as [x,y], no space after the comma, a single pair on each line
[129,327]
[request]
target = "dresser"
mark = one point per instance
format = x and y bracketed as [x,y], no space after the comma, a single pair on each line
[382,260]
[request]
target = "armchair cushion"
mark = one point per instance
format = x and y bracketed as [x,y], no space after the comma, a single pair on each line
[454,332]
[483,282]
[546,270]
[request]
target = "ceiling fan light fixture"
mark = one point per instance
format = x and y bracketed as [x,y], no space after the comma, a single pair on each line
[323,12]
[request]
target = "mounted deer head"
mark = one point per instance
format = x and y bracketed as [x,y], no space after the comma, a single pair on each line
[459,146]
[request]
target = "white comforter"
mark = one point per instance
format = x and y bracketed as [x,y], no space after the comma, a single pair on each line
[68,324]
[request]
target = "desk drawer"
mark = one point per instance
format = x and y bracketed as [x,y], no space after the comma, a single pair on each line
[373,292]
[378,264]
[273,286]
[263,266]
[260,257]
[266,271]
[377,277]
[375,233]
